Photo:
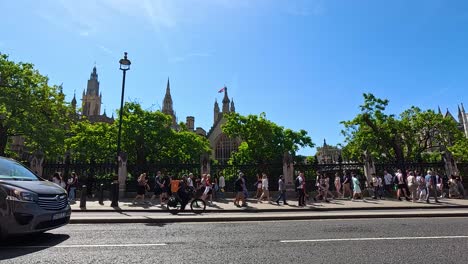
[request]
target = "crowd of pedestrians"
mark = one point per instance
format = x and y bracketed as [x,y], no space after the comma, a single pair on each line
[411,186]
[69,184]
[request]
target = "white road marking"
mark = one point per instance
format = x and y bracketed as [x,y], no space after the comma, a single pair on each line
[369,239]
[86,246]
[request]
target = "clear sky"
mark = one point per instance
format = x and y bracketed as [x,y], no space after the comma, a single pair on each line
[305,63]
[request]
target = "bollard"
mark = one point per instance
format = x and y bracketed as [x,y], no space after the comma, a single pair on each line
[84,191]
[115,195]
[101,194]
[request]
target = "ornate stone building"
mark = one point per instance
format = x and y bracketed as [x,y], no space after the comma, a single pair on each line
[328,154]
[221,145]
[463,119]
[92,100]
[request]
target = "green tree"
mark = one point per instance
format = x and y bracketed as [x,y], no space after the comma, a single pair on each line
[263,141]
[460,150]
[413,136]
[148,136]
[96,141]
[31,108]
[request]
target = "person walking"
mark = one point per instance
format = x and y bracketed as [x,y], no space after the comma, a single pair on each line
[431,182]
[300,183]
[222,186]
[239,188]
[347,184]
[71,187]
[281,191]
[190,184]
[376,184]
[357,193]
[400,180]
[338,185]
[258,185]
[412,186]
[388,183]
[324,187]
[422,188]
[265,190]
[158,186]
[142,184]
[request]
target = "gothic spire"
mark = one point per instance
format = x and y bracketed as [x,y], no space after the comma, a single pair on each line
[233,108]
[449,115]
[440,111]
[215,111]
[168,87]
[73,102]
[460,114]
[167,105]
[226,101]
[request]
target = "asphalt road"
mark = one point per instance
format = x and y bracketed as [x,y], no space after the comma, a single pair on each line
[312,241]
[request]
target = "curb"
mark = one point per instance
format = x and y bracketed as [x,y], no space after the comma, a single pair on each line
[146,220]
[255,210]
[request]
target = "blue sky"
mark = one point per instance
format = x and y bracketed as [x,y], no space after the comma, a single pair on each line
[305,63]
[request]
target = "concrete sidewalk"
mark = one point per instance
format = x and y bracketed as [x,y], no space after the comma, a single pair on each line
[227,206]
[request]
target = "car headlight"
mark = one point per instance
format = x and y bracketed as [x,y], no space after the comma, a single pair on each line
[18,194]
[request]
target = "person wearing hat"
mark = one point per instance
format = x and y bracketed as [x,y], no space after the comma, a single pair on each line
[281,191]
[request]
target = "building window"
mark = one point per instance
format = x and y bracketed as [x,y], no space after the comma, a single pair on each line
[224,147]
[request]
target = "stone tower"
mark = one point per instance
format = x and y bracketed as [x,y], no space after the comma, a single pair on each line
[190,123]
[216,112]
[226,102]
[167,105]
[91,102]
[233,108]
[463,119]
[73,102]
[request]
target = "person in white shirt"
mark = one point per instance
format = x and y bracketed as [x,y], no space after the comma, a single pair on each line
[300,188]
[222,186]
[388,182]
[376,183]
[412,186]
[266,192]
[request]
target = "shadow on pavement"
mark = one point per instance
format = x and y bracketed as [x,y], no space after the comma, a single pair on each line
[18,246]
[156,224]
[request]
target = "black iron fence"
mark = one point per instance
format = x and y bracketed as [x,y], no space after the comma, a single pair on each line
[93,174]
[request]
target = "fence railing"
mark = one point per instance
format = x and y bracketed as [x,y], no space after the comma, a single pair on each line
[94,174]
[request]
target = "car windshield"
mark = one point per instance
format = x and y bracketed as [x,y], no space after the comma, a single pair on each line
[13,171]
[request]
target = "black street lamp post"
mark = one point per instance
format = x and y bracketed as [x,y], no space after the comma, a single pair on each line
[124,66]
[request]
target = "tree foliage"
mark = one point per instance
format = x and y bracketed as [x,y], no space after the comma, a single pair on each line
[415,135]
[147,136]
[460,150]
[31,108]
[89,141]
[263,141]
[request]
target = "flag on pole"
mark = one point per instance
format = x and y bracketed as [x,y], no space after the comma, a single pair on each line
[222,89]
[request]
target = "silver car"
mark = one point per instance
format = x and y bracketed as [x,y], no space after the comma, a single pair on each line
[28,203]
